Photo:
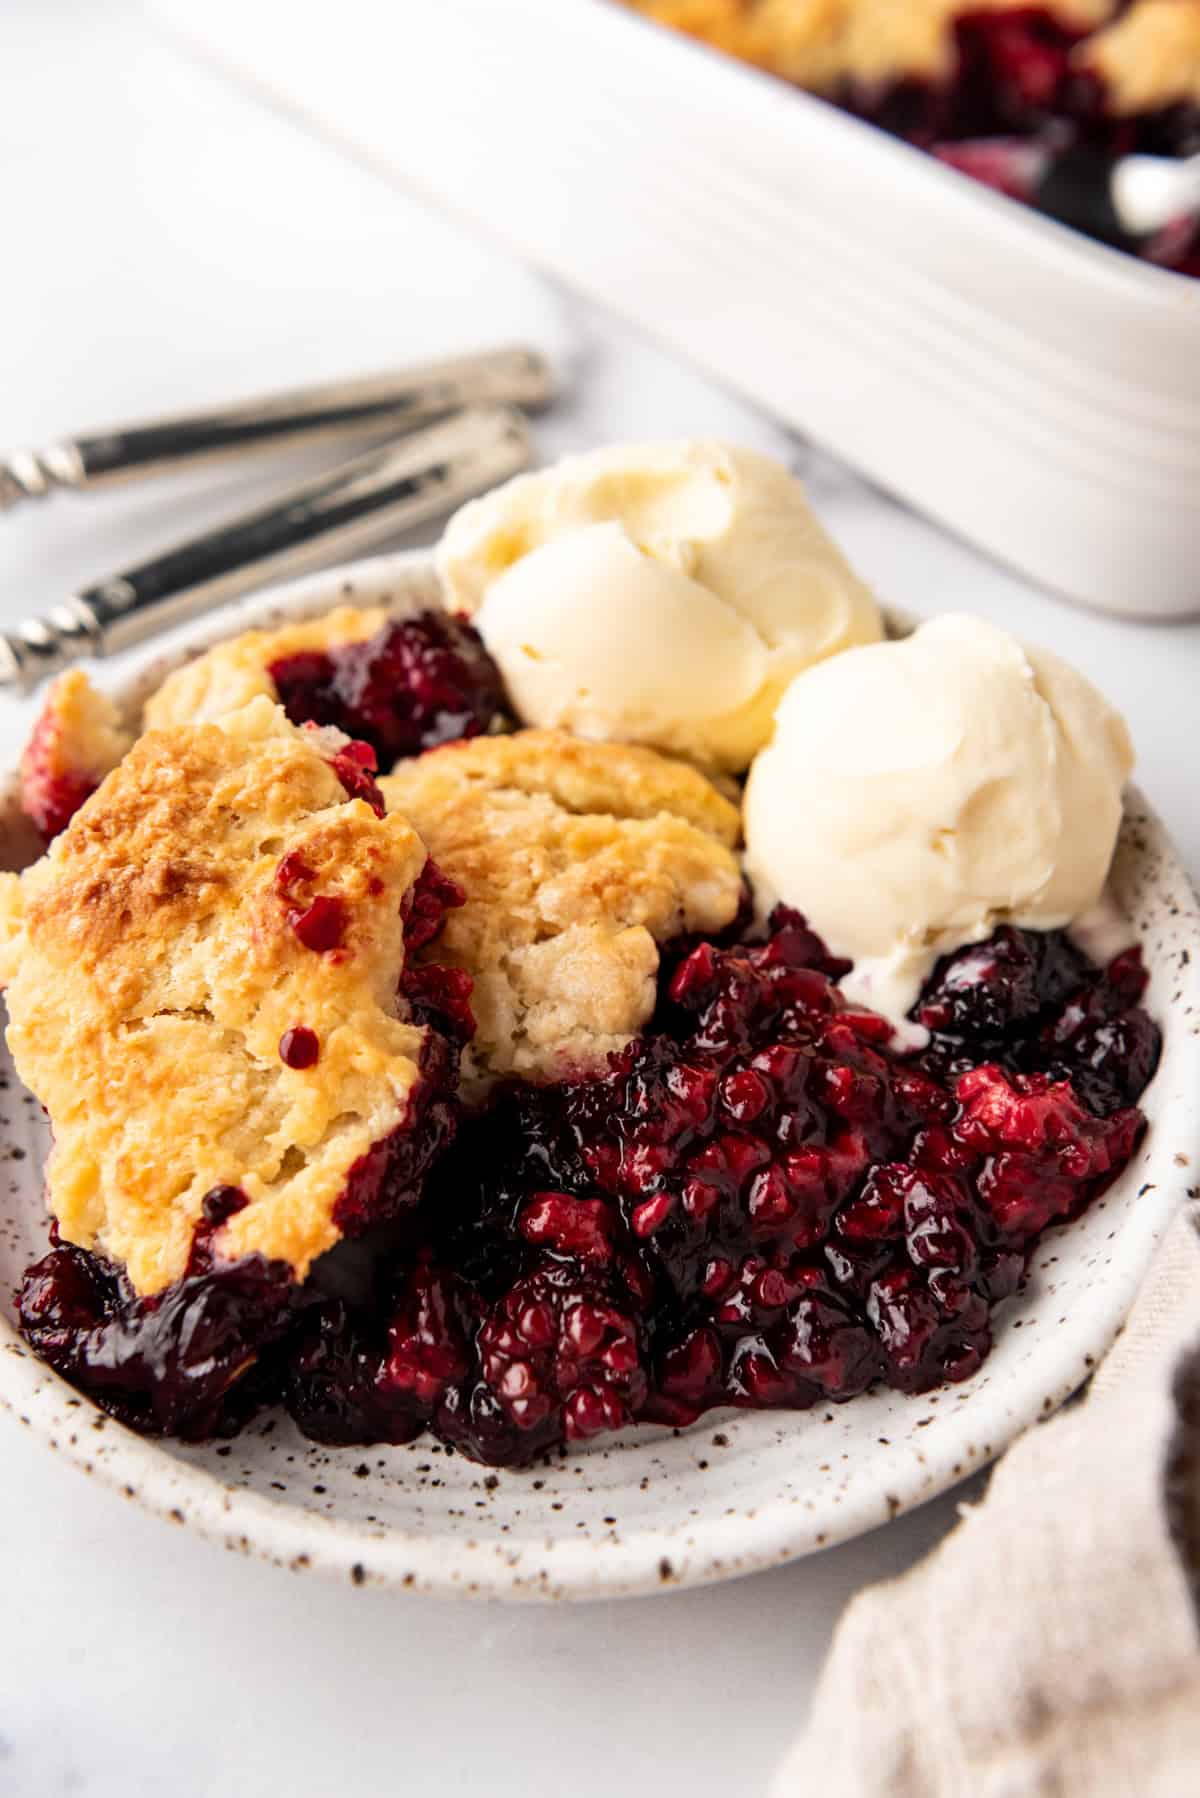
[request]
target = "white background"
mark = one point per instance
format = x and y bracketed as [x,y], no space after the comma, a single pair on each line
[170,238]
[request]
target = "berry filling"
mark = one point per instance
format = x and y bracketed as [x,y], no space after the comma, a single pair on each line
[76,738]
[418,682]
[1021,115]
[300,1047]
[51,797]
[1020,100]
[193,1361]
[760,1203]
[1012,75]
[355,766]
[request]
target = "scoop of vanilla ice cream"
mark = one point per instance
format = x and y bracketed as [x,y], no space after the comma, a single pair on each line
[695,657]
[662,594]
[917,793]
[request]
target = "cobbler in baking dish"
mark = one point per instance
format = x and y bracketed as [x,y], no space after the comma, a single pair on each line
[491,1097]
[997,88]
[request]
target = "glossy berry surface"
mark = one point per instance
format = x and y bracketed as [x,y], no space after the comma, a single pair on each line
[355,765]
[300,1047]
[760,1203]
[787,1210]
[436,996]
[188,1362]
[418,682]
[374,1368]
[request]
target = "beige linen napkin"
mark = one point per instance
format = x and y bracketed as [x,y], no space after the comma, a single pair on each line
[1049,1647]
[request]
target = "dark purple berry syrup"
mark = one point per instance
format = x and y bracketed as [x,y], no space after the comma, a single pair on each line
[418,682]
[759,1204]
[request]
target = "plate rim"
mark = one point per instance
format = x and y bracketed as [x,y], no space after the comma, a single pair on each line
[300,1539]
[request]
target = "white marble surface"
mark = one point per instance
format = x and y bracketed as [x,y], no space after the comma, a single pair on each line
[171,240]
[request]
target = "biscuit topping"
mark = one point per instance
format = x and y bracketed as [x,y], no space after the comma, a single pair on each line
[160,969]
[577,860]
[400,684]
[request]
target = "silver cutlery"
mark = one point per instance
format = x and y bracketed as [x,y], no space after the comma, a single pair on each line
[406,483]
[393,402]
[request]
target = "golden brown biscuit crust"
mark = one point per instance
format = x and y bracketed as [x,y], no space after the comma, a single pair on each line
[622,780]
[798,39]
[157,967]
[1149,57]
[823,44]
[578,859]
[85,724]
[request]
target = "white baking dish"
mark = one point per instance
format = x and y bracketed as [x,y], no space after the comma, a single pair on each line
[1034,391]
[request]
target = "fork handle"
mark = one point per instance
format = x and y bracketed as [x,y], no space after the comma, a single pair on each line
[375,496]
[396,402]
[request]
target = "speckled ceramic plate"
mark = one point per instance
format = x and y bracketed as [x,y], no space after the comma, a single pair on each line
[650,1509]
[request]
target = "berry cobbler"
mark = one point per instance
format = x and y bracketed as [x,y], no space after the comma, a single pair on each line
[77,740]
[415,1065]
[1031,99]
